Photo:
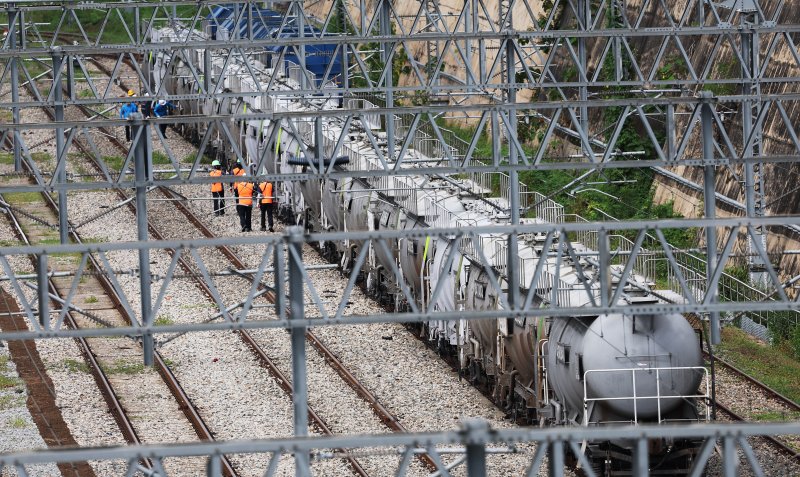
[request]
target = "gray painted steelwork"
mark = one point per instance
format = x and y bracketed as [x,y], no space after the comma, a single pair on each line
[525,59]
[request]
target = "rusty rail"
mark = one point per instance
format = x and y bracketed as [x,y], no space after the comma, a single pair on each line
[189,409]
[386,417]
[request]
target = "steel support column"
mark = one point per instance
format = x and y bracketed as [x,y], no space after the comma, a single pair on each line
[42,291]
[513,159]
[752,136]
[584,24]
[13,14]
[319,148]
[476,447]
[301,49]
[142,158]
[386,59]
[299,379]
[61,169]
[710,203]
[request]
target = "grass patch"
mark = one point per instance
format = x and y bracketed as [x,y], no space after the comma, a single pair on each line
[75,366]
[114,162]
[11,401]
[10,243]
[41,157]
[4,363]
[23,197]
[776,416]
[163,320]
[18,423]
[7,159]
[91,299]
[95,239]
[74,256]
[9,382]
[160,158]
[771,365]
[122,366]
[190,158]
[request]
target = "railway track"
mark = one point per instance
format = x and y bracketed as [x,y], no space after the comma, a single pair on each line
[41,401]
[110,361]
[261,356]
[99,282]
[787,447]
[391,421]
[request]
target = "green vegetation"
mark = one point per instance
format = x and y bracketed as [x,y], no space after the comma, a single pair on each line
[11,401]
[23,197]
[122,366]
[725,70]
[114,163]
[6,159]
[9,382]
[771,365]
[91,299]
[75,366]
[115,30]
[41,157]
[55,240]
[776,416]
[18,423]
[163,320]
[674,67]
[160,158]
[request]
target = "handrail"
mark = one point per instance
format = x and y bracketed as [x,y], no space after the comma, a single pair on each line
[635,398]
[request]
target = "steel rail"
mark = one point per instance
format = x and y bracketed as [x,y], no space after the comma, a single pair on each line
[184,402]
[245,336]
[43,409]
[106,390]
[794,406]
[386,417]
[781,446]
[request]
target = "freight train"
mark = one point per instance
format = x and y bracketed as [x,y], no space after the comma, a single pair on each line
[585,370]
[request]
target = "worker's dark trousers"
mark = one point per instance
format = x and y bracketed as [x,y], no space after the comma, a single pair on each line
[245,216]
[127,133]
[266,208]
[219,202]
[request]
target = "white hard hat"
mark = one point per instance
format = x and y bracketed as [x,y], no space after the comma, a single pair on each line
[162,102]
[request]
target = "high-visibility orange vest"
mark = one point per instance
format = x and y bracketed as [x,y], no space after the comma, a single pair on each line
[245,190]
[216,186]
[238,171]
[266,192]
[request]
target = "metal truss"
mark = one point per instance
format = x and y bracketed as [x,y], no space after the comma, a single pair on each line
[468,447]
[578,74]
[692,294]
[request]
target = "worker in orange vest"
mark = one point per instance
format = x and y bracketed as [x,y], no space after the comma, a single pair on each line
[267,201]
[238,170]
[217,191]
[244,205]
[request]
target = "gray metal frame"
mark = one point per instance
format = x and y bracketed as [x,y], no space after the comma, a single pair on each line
[527,61]
[475,439]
